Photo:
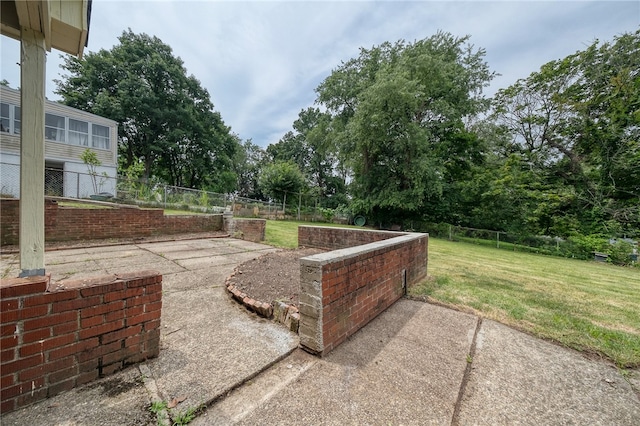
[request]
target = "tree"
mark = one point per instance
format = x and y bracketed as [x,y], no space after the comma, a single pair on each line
[575,122]
[248,164]
[401,110]
[165,119]
[281,178]
[91,160]
[311,148]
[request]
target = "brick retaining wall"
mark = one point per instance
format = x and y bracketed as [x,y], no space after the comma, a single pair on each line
[330,238]
[54,340]
[248,229]
[342,290]
[67,223]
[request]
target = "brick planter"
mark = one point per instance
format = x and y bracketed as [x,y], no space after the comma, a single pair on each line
[342,290]
[56,339]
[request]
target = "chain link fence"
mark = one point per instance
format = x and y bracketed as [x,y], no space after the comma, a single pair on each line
[101,187]
[60,183]
[619,251]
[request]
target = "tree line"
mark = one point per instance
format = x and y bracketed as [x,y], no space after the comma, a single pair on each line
[401,132]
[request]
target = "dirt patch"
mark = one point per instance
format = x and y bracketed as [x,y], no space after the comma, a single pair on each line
[274,276]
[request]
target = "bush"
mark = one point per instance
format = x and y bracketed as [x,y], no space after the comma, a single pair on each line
[583,246]
[619,253]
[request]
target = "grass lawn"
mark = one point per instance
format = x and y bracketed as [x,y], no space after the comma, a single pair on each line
[284,234]
[81,205]
[589,306]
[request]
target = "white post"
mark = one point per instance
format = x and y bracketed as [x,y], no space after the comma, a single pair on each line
[284,206]
[32,82]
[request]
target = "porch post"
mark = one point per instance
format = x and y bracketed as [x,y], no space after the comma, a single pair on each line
[32,81]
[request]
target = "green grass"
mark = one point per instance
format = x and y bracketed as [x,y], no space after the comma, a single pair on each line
[284,234]
[172,212]
[589,306]
[81,205]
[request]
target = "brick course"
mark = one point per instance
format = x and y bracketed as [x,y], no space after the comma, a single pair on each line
[65,223]
[342,290]
[54,340]
[249,229]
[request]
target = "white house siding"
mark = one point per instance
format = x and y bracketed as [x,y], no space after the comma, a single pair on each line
[77,182]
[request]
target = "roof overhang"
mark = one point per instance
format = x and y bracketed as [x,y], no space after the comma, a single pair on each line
[64,23]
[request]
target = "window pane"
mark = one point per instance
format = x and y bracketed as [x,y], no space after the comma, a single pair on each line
[54,121]
[99,130]
[4,118]
[16,120]
[79,126]
[54,127]
[100,136]
[76,138]
[78,132]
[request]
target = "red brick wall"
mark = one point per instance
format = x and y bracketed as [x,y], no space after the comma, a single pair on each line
[249,229]
[63,223]
[330,238]
[342,290]
[52,341]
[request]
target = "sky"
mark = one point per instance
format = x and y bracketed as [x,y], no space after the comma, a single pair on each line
[262,60]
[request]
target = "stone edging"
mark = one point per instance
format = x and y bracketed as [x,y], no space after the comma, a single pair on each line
[278,311]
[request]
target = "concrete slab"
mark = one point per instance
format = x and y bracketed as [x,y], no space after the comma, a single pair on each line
[209,345]
[408,366]
[191,280]
[60,271]
[214,261]
[245,245]
[405,367]
[244,400]
[164,266]
[517,378]
[121,399]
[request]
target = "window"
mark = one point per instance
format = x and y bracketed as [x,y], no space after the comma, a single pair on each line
[5,118]
[54,127]
[9,118]
[16,120]
[99,136]
[78,132]
[59,128]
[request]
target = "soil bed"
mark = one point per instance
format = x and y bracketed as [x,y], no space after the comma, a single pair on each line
[274,276]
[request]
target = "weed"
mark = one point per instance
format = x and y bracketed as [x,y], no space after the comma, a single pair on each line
[185,417]
[157,406]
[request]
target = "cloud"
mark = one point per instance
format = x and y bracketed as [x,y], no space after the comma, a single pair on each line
[262,60]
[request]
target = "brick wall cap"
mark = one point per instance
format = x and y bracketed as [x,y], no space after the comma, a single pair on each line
[100,280]
[351,252]
[11,282]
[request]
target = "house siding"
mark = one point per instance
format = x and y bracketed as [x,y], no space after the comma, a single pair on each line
[67,155]
[59,151]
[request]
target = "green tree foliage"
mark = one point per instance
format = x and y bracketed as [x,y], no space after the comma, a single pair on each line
[248,164]
[281,178]
[311,147]
[91,160]
[399,113]
[165,118]
[576,125]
